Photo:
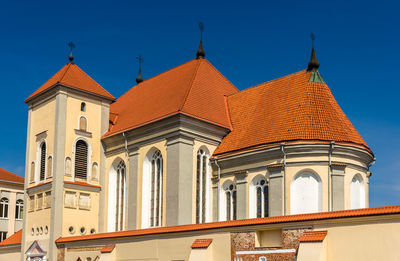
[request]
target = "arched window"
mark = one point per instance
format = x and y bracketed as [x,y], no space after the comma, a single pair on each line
[120,197]
[95,171]
[202,176]
[156,189]
[83,106]
[152,189]
[81,160]
[258,197]
[357,192]
[228,201]
[305,193]
[19,209]
[82,123]
[42,161]
[4,208]
[49,166]
[32,176]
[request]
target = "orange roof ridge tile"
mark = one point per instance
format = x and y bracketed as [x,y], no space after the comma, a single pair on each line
[313,236]
[190,84]
[375,211]
[14,239]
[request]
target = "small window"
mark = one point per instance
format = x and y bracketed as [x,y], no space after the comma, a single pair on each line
[49,166]
[4,208]
[19,209]
[83,106]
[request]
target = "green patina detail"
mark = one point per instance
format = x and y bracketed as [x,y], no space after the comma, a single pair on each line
[316,77]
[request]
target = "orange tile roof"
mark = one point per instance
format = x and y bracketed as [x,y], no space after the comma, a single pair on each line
[194,88]
[313,236]
[286,109]
[10,177]
[72,76]
[107,249]
[388,210]
[14,239]
[201,243]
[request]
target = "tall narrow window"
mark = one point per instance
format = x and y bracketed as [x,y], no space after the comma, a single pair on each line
[230,195]
[42,161]
[83,106]
[4,208]
[201,186]
[82,124]
[81,160]
[19,209]
[156,189]
[357,192]
[120,197]
[259,198]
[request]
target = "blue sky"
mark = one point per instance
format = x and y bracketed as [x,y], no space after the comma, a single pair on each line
[248,41]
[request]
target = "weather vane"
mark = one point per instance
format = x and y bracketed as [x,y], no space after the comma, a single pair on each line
[201,27]
[312,35]
[71,46]
[200,52]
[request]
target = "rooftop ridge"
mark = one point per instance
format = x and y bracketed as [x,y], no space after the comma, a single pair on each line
[191,84]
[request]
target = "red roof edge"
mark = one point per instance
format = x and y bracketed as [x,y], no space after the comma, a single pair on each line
[364,212]
[14,239]
[107,249]
[313,236]
[201,243]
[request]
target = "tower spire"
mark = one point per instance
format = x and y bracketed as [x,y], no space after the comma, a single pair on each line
[139,77]
[200,51]
[313,64]
[71,56]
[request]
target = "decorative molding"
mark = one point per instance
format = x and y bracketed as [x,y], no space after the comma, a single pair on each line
[83,133]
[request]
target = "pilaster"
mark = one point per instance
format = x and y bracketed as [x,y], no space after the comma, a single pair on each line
[338,172]
[179,179]
[275,190]
[132,181]
[215,204]
[241,194]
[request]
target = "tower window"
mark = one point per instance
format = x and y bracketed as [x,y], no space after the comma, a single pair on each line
[83,106]
[81,159]
[42,161]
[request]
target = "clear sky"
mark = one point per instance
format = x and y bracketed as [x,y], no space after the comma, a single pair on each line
[250,42]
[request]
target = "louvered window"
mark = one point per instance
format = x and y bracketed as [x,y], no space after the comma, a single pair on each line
[81,160]
[42,161]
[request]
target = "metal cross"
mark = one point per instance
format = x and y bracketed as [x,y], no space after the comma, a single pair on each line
[140,60]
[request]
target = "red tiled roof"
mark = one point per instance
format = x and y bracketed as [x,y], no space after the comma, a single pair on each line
[72,76]
[286,109]
[201,243]
[313,236]
[14,239]
[388,210]
[11,177]
[107,249]
[194,88]
[82,184]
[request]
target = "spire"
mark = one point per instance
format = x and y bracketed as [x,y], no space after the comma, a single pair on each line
[313,64]
[71,56]
[200,52]
[139,77]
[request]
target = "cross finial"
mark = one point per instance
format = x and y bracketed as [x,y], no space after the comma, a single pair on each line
[139,77]
[312,35]
[200,52]
[71,46]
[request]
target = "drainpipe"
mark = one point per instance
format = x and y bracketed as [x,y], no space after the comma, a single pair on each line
[331,147]
[219,176]
[284,177]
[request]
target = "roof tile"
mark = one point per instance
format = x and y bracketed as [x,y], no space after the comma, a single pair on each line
[14,239]
[201,243]
[11,177]
[313,236]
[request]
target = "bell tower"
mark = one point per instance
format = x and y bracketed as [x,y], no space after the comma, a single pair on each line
[64,157]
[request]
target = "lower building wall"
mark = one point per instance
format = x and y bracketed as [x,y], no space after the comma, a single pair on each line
[10,253]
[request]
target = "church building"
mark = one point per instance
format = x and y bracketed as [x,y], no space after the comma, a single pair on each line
[184,166]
